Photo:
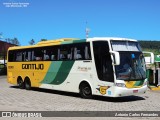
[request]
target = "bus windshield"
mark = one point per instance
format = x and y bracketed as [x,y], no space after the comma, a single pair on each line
[132,64]
[125,46]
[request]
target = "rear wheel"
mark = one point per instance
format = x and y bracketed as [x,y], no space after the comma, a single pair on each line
[27,84]
[85,91]
[20,83]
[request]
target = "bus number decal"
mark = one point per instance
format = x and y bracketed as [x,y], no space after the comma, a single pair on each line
[103,89]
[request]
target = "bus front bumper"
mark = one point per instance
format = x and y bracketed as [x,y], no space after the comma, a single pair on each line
[123,91]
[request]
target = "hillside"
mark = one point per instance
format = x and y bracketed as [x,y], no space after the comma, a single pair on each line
[151,46]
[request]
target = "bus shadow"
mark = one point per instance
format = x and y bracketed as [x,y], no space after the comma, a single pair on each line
[119,99]
[51,91]
[98,98]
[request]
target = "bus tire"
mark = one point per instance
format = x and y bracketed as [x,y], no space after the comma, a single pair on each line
[20,83]
[85,90]
[27,83]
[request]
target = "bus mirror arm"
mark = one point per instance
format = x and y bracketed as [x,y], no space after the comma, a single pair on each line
[116,57]
[151,58]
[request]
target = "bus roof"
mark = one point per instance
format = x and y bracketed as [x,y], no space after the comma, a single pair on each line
[51,43]
[69,41]
[110,38]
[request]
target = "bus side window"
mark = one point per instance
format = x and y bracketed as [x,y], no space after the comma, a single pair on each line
[11,57]
[52,53]
[87,53]
[52,57]
[77,54]
[82,51]
[23,56]
[29,56]
[38,53]
[33,58]
[65,52]
[26,55]
[70,54]
[62,56]
[46,55]
[58,56]
[19,56]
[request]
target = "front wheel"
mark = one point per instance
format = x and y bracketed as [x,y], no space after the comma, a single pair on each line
[85,91]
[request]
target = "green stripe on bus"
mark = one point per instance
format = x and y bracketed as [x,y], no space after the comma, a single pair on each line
[79,41]
[67,42]
[52,72]
[139,83]
[63,72]
[73,41]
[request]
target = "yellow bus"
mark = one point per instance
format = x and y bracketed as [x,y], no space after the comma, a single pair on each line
[103,66]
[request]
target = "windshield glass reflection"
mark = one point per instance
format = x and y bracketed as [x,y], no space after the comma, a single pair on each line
[132,66]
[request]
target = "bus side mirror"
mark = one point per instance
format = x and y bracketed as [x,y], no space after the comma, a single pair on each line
[149,59]
[116,57]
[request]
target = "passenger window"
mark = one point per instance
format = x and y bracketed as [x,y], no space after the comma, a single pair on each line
[11,57]
[87,53]
[19,56]
[77,54]
[53,53]
[65,52]
[82,51]
[38,55]
[70,54]
[46,55]
[77,51]
[28,57]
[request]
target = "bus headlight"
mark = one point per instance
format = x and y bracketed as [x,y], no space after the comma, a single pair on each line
[120,85]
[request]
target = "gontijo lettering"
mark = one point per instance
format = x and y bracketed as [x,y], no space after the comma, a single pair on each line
[33,66]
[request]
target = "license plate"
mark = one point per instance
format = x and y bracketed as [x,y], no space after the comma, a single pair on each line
[135,91]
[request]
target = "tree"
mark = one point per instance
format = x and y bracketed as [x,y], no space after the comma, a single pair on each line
[15,41]
[8,40]
[32,42]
